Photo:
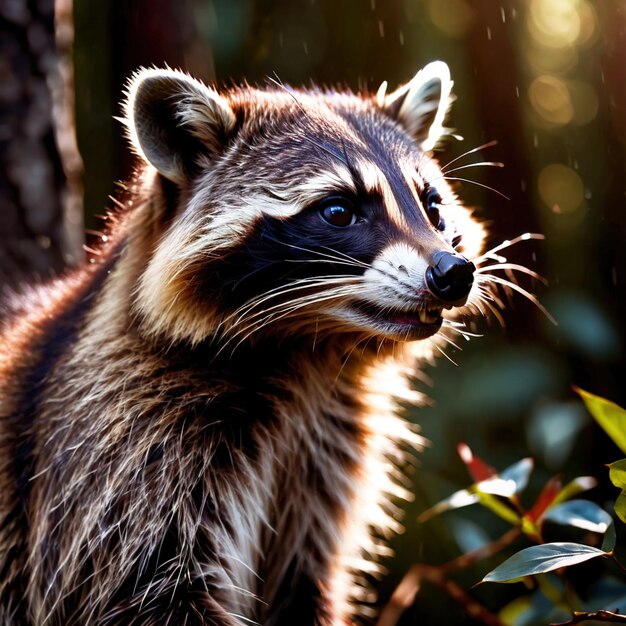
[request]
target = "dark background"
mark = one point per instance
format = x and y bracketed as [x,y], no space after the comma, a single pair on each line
[546,79]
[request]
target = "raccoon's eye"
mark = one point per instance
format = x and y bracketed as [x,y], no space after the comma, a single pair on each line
[337,212]
[431,201]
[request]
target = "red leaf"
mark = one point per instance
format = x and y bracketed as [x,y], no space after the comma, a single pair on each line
[478,469]
[547,495]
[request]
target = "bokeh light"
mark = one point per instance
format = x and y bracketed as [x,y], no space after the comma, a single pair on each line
[551,99]
[561,188]
[451,17]
[555,23]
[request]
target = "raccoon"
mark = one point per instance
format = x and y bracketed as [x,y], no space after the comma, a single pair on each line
[200,425]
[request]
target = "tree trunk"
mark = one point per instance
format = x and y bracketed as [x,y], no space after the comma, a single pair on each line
[40,195]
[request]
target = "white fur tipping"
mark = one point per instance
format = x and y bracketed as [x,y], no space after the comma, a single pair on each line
[162,106]
[422,104]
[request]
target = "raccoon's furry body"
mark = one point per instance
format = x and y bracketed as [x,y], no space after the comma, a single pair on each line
[199,426]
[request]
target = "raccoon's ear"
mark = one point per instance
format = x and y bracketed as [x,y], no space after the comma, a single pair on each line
[174,120]
[422,104]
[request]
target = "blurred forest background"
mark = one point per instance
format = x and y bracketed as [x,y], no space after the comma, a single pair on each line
[546,79]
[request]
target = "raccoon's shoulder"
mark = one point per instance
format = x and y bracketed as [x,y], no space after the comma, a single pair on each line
[38,321]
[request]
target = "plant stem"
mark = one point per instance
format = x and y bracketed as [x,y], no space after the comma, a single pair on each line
[404,594]
[484,552]
[613,558]
[597,616]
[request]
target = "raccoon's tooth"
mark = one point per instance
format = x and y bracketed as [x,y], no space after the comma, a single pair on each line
[423,315]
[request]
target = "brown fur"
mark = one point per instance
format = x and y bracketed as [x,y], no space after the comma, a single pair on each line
[182,441]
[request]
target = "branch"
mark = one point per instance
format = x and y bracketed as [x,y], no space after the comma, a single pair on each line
[409,586]
[487,551]
[404,595]
[597,616]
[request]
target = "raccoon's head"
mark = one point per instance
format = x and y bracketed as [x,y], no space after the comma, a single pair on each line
[296,212]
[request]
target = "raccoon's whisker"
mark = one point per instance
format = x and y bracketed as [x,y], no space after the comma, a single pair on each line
[471,165]
[452,329]
[489,144]
[335,261]
[474,182]
[485,297]
[487,278]
[507,244]
[491,295]
[281,310]
[343,257]
[313,299]
[303,301]
[302,283]
[454,323]
[449,341]
[475,301]
[347,256]
[511,266]
[466,334]
[443,352]
[495,312]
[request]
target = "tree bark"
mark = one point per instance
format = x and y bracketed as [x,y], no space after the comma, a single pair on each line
[40,196]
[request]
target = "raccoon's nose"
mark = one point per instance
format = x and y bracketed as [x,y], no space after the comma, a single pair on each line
[451,277]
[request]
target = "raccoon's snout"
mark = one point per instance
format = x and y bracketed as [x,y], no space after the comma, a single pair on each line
[451,277]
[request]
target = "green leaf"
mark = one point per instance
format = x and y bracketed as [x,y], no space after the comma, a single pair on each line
[580,514]
[610,537]
[499,508]
[620,506]
[519,473]
[573,488]
[495,487]
[507,484]
[587,516]
[457,500]
[617,474]
[610,416]
[542,559]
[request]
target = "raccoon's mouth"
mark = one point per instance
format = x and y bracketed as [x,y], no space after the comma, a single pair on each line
[404,323]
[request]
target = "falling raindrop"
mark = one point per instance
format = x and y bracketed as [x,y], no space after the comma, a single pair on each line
[381,28]
[488,33]
[401,37]
[503,14]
